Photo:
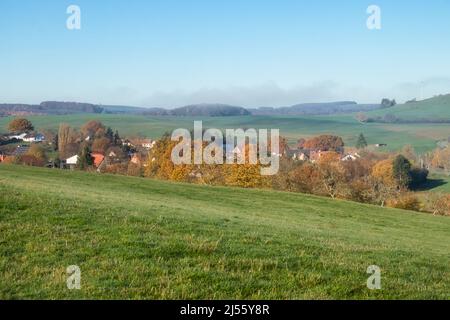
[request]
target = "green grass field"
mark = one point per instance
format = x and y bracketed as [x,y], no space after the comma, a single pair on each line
[437,183]
[146,239]
[422,137]
[433,108]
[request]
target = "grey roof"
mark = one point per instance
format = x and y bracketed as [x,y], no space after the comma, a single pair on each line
[20,150]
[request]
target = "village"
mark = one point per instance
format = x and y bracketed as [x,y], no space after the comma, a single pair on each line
[320,165]
[113,151]
[105,149]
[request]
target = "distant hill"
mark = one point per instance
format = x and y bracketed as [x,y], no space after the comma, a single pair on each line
[61,108]
[433,110]
[316,108]
[200,110]
[212,110]
[49,108]
[122,109]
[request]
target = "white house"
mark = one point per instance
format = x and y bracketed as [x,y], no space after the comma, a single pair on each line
[18,137]
[33,138]
[148,143]
[72,160]
[351,157]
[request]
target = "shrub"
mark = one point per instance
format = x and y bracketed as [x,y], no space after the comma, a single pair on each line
[407,201]
[119,168]
[29,160]
[134,170]
[438,204]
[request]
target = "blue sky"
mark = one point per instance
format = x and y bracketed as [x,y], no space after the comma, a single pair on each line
[251,53]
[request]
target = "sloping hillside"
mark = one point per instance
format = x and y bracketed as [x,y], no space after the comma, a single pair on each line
[435,109]
[138,238]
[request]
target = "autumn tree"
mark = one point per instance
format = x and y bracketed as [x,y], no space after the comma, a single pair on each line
[325,143]
[305,178]
[404,200]
[38,152]
[438,203]
[134,170]
[301,143]
[211,174]
[159,164]
[51,137]
[100,145]
[409,153]
[20,125]
[92,128]
[64,137]
[245,176]
[332,174]
[383,182]
[441,159]
[29,160]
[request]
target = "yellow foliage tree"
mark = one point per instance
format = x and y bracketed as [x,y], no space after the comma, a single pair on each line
[383,182]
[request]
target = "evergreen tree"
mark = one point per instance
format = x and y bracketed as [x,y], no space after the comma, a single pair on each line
[116,138]
[109,134]
[55,142]
[401,168]
[361,143]
[84,158]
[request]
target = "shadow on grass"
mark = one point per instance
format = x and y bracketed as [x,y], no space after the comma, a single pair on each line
[431,184]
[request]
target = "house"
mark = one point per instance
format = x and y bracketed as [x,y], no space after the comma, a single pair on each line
[317,155]
[298,154]
[34,138]
[127,143]
[115,155]
[147,143]
[73,160]
[97,159]
[303,156]
[137,159]
[21,150]
[18,136]
[351,157]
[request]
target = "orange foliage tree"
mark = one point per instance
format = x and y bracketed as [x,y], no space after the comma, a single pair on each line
[324,143]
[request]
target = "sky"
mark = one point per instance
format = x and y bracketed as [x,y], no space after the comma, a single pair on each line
[250,53]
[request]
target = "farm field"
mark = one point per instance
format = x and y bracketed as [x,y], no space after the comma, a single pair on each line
[136,238]
[422,137]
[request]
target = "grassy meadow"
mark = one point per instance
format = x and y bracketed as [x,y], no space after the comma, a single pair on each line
[434,108]
[422,137]
[145,239]
[437,183]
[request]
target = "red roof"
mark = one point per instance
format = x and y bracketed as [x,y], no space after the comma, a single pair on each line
[98,158]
